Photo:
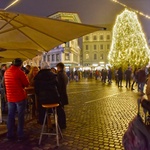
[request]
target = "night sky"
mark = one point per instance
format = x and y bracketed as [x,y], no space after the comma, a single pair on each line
[94,12]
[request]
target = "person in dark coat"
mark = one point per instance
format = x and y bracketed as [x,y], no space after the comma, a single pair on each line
[62,83]
[45,83]
[134,78]
[62,88]
[109,75]
[141,79]
[120,77]
[128,73]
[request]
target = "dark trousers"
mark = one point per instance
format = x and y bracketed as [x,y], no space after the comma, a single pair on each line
[119,82]
[60,112]
[3,100]
[128,82]
[133,84]
[61,117]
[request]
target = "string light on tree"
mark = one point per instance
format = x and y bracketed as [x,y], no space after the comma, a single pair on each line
[13,3]
[129,45]
[136,11]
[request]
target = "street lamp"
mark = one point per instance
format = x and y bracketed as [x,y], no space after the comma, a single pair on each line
[13,3]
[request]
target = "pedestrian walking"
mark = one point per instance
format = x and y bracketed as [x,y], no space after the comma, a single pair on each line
[109,75]
[96,74]
[134,77]
[141,75]
[128,73]
[62,88]
[116,76]
[120,77]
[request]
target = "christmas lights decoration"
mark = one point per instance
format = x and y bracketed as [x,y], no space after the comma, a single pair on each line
[129,45]
[13,3]
[136,11]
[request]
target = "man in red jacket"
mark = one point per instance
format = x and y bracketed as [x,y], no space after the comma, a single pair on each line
[15,82]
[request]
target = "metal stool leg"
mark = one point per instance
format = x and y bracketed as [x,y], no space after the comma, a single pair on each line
[56,124]
[60,132]
[42,131]
[54,108]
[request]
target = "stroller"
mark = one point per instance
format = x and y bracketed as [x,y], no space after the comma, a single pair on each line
[137,136]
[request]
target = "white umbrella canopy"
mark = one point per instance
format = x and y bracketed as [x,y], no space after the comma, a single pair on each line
[10,54]
[24,33]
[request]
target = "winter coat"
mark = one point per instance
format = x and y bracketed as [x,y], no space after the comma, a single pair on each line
[120,74]
[15,82]
[62,87]
[141,75]
[128,73]
[45,84]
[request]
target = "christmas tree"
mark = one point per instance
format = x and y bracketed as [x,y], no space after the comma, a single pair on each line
[129,46]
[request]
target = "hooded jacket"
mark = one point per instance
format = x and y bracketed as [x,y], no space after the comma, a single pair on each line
[45,84]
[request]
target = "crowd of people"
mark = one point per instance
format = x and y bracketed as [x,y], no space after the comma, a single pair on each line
[138,77]
[49,85]
[134,78]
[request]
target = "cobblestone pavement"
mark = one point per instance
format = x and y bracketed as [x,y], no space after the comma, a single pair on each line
[97,117]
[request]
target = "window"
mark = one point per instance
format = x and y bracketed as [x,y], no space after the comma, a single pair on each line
[108,46]
[57,57]
[53,57]
[48,57]
[101,37]
[101,46]
[44,58]
[87,38]
[67,56]
[72,42]
[75,57]
[108,37]
[67,44]
[87,56]
[95,47]
[101,56]
[86,47]
[94,37]
[95,56]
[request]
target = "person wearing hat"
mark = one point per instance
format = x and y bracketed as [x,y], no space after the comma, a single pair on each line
[15,81]
[45,84]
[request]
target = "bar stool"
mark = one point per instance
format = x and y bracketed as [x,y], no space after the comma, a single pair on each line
[58,130]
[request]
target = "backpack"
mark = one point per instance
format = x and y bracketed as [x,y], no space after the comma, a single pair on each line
[137,137]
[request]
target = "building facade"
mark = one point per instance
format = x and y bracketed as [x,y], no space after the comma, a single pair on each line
[36,61]
[68,53]
[95,49]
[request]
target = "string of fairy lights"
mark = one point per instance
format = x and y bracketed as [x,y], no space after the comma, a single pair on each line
[13,3]
[136,11]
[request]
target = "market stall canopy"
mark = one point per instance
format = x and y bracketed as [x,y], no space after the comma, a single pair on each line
[20,32]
